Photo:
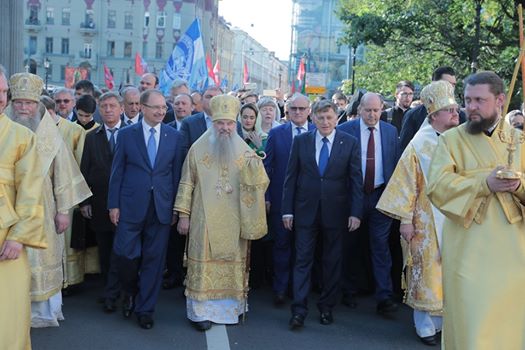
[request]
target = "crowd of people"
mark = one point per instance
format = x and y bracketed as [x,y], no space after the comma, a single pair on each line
[217,192]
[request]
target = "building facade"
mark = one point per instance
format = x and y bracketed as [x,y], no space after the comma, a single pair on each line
[264,69]
[315,32]
[91,33]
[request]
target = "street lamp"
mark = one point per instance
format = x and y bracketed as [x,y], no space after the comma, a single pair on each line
[46,67]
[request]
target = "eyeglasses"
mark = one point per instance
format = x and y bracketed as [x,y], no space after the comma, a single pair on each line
[157,108]
[451,110]
[66,101]
[300,109]
[406,94]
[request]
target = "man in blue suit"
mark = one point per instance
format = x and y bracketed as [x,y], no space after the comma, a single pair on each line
[194,126]
[379,155]
[322,199]
[277,151]
[144,179]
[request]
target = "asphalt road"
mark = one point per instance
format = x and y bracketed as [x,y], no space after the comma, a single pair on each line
[87,327]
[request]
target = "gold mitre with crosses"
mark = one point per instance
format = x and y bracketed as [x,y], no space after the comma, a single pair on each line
[224,107]
[26,86]
[438,95]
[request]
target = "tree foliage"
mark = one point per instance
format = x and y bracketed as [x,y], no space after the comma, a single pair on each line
[408,39]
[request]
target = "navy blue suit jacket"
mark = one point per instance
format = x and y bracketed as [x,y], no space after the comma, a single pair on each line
[277,151]
[390,150]
[133,180]
[339,192]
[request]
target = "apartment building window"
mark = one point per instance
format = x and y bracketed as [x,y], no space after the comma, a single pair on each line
[146,19]
[50,15]
[33,15]
[32,45]
[49,45]
[161,19]
[127,49]
[62,73]
[144,49]
[128,20]
[111,49]
[112,19]
[89,20]
[158,50]
[66,16]
[65,46]
[88,47]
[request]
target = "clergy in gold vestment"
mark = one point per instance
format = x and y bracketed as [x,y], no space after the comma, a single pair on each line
[221,201]
[421,227]
[63,188]
[21,221]
[483,246]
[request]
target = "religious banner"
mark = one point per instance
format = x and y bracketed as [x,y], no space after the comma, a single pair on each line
[141,66]
[187,61]
[108,78]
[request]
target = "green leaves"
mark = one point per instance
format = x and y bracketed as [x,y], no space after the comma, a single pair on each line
[409,39]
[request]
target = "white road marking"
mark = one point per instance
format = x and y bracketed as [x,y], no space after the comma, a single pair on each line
[217,338]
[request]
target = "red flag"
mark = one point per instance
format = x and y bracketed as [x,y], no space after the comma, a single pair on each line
[210,67]
[301,76]
[108,78]
[216,73]
[140,65]
[69,74]
[246,78]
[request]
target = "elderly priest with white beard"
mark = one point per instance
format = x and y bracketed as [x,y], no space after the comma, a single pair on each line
[63,188]
[221,206]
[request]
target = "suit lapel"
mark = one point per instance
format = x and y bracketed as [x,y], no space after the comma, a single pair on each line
[286,137]
[163,138]
[139,139]
[203,122]
[337,146]
[311,151]
[104,142]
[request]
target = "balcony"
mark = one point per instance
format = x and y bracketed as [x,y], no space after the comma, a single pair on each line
[88,28]
[33,25]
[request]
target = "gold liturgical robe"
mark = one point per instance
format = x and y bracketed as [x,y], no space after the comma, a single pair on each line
[483,248]
[78,262]
[405,199]
[64,187]
[221,222]
[21,220]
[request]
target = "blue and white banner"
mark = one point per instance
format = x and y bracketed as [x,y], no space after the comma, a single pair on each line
[187,61]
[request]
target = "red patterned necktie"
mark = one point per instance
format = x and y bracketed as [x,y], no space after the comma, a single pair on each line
[370,163]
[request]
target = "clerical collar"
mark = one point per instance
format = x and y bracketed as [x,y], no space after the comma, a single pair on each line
[87,126]
[490,130]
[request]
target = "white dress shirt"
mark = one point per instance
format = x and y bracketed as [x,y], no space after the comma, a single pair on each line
[319,144]
[108,134]
[304,128]
[133,120]
[145,129]
[208,120]
[365,135]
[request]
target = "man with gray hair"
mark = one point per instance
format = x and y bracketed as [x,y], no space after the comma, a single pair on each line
[64,187]
[322,200]
[277,152]
[65,103]
[131,114]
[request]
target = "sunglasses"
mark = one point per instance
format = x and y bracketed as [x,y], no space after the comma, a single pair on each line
[295,109]
[62,101]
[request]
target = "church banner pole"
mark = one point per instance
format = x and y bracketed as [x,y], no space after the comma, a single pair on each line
[519,63]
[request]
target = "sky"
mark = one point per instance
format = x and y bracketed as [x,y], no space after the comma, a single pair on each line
[268,21]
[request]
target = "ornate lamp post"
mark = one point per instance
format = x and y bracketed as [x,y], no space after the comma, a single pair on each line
[46,67]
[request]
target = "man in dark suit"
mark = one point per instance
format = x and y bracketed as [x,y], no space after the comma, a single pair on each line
[322,199]
[96,167]
[277,151]
[144,179]
[131,114]
[404,97]
[194,126]
[174,275]
[379,155]
[415,117]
